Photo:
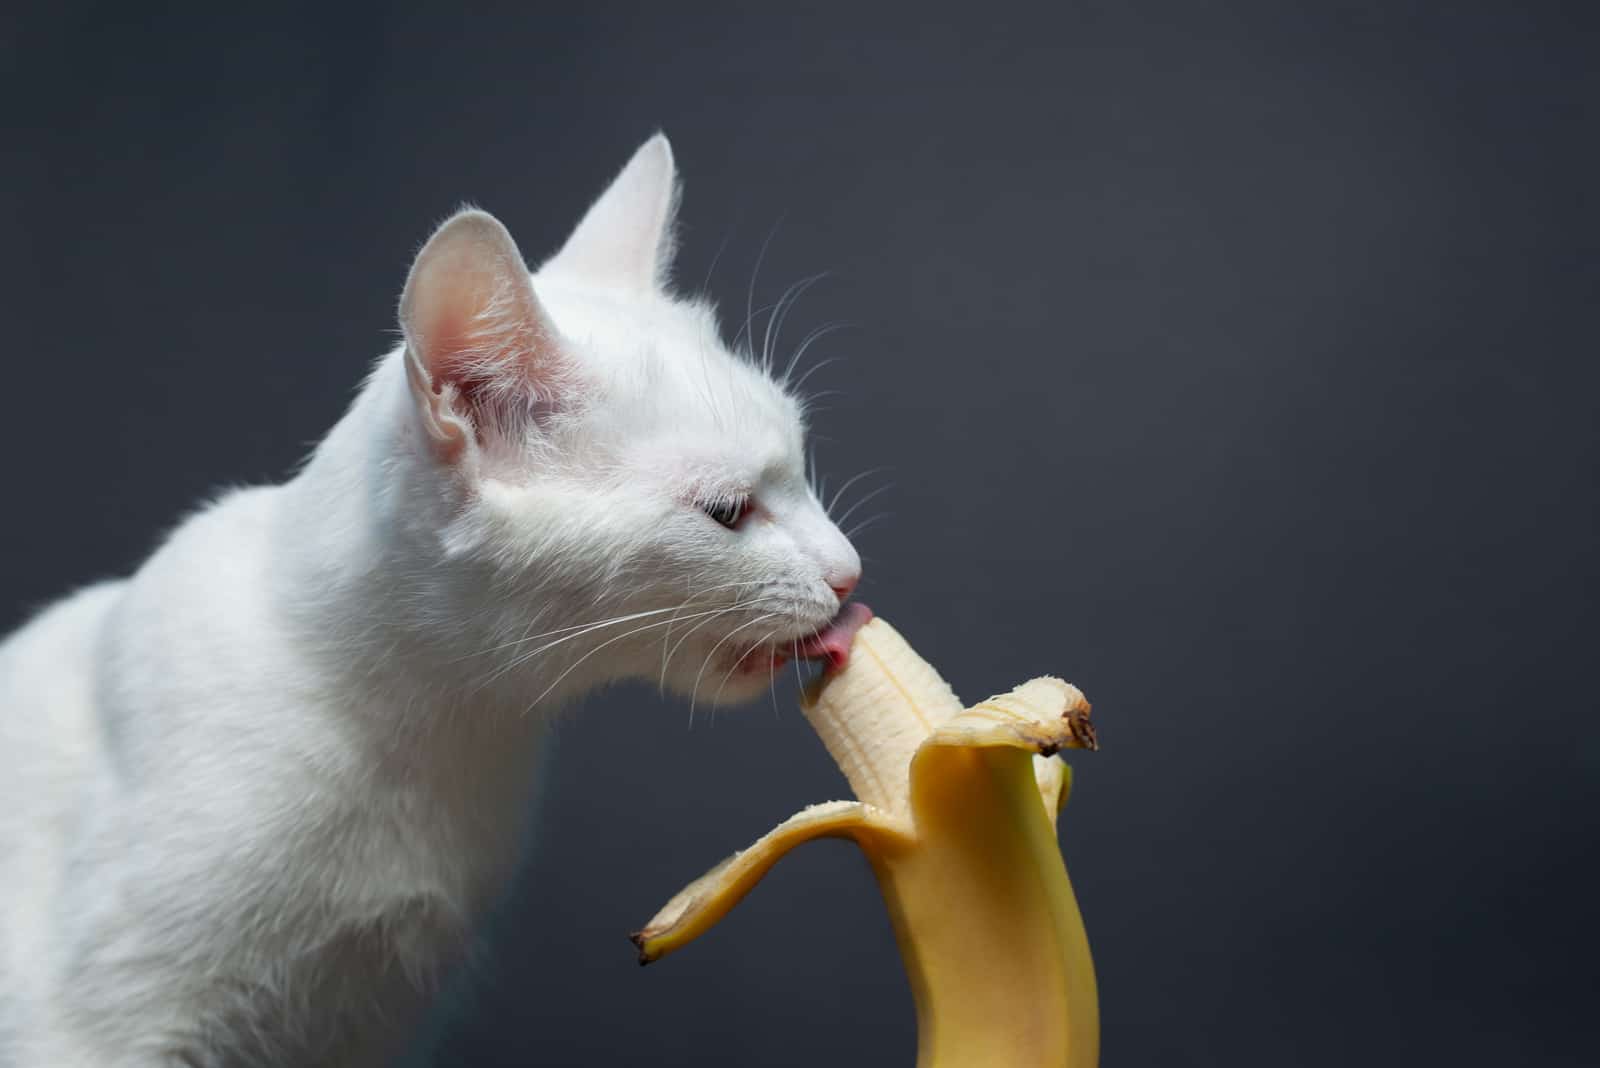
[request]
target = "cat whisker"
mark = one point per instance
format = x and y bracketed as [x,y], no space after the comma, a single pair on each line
[576,627]
[772,686]
[576,663]
[695,690]
[666,635]
[794,645]
[687,635]
[729,673]
[597,624]
[548,690]
[525,657]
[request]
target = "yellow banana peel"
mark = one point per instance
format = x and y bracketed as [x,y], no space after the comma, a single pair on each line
[956,812]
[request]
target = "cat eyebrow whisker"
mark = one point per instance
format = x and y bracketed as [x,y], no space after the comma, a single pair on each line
[722,246]
[762,359]
[809,405]
[865,523]
[840,492]
[864,499]
[707,341]
[798,384]
[810,339]
[781,310]
[745,331]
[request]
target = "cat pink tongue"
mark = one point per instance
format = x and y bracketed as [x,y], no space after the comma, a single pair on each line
[832,643]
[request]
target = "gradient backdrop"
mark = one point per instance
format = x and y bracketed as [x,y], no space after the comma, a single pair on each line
[1237,363]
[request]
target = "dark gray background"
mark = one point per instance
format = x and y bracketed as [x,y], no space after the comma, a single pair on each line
[1237,363]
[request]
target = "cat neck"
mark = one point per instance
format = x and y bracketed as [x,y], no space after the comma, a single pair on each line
[370,586]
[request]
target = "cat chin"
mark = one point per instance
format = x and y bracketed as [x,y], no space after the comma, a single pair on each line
[740,690]
[732,679]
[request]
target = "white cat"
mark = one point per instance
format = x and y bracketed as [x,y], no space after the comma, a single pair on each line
[253,798]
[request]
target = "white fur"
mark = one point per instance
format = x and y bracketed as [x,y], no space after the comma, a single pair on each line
[253,798]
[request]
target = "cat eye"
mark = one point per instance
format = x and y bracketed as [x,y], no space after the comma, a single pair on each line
[727,511]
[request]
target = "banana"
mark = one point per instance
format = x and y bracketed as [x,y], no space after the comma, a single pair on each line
[956,812]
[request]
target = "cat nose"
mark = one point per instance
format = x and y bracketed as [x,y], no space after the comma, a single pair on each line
[843,587]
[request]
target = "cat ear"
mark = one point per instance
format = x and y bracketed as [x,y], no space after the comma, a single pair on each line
[625,239]
[481,353]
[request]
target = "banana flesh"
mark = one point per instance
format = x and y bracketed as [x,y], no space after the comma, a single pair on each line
[955,811]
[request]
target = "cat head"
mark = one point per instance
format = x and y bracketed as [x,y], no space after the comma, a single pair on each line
[628,495]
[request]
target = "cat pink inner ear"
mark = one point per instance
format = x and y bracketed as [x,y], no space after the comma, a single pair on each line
[481,345]
[625,239]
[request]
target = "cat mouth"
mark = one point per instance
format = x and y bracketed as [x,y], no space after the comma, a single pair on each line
[829,644]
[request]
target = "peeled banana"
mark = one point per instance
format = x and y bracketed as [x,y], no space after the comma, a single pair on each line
[956,812]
